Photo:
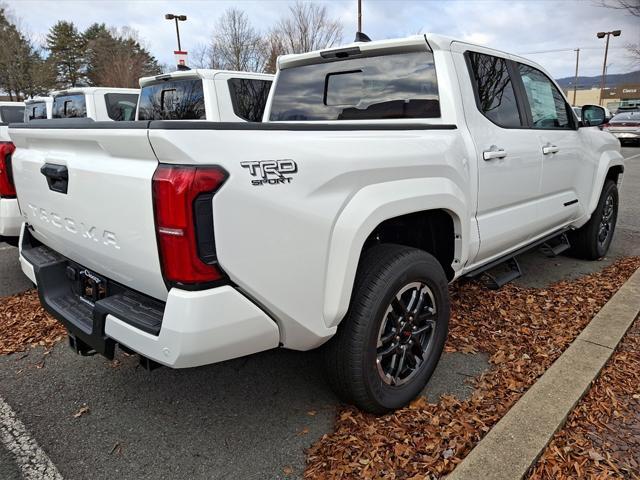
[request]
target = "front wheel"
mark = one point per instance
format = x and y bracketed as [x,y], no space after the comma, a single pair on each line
[391,339]
[592,240]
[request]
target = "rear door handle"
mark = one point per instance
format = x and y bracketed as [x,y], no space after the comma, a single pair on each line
[548,149]
[494,152]
[57,177]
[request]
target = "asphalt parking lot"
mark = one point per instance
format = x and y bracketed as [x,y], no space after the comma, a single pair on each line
[248,418]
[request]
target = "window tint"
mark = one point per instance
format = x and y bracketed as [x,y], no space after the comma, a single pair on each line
[35,111]
[401,85]
[12,114]
[249,97]
[496,97]
[69,106]
[548,107]
[121,106]
[172,100]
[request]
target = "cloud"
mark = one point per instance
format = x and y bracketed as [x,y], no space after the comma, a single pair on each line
[515,26]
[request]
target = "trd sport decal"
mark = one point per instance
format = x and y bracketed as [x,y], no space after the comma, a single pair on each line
[271,172]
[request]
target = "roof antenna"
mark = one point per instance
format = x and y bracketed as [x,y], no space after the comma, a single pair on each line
[361,37]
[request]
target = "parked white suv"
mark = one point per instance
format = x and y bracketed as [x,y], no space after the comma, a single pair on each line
[383,171]
[97,103]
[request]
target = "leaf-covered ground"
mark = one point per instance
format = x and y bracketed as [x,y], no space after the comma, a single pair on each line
[25,324]
[523,329]
[601,438]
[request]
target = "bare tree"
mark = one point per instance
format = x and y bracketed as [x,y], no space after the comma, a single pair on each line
[307,27]
[235,45]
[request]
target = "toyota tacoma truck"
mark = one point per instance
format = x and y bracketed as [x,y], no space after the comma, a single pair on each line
[382,171]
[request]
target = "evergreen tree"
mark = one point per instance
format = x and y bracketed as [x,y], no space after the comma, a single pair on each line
[67,53]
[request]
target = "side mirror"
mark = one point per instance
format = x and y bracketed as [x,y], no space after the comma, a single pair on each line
[593,115]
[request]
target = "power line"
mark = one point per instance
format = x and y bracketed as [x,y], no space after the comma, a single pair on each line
[569,50]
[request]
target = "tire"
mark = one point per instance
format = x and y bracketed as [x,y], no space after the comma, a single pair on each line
[590,241]
[358,369]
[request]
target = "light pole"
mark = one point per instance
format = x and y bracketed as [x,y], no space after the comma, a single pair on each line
[575,80]
[615,33]
[177,18]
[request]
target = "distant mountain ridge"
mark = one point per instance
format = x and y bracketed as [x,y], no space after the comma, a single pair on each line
[612,80]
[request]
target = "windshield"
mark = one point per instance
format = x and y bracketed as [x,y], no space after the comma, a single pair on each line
[35,111]
[172,100]
[401,85]
[11,114]
[72,105]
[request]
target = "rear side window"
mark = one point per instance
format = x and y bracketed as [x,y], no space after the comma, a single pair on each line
[11,114]
[69,106]
[402,85]
[249,97]
[121,106]
[172,100]
[548,107]
[35,111]
[495,95]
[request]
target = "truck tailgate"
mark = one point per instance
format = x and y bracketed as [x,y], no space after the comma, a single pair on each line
[104,220]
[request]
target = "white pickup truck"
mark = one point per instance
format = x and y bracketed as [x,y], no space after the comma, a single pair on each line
[384,171]
[10,218]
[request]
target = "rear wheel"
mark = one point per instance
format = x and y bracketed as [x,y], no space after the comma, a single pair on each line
[593,239]
[391,339]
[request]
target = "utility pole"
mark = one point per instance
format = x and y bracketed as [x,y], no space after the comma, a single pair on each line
[359,15]
[615,33]
[575,79]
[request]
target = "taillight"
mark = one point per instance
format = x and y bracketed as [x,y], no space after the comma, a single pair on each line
[183,203]
[7,187]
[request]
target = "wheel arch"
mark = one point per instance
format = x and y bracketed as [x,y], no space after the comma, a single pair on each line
[392,210]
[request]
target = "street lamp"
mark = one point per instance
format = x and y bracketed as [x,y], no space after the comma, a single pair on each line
[615,33]
[177,18]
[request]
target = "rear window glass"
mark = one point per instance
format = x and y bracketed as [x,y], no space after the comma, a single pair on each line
[69,106]
[495,95]
[401,85]
[35,111]
[172,100]
[249,97]
[11,114]
[121,106]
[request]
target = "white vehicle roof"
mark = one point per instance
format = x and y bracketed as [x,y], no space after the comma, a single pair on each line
[38,99]
[435,41]
[11,104]
[92,90]
[204,73]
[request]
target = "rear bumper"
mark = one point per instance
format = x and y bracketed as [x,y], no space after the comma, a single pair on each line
[190,329]
[10,218]
[628,135]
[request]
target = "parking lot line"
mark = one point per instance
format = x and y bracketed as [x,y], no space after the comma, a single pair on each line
[633,156]
[33,462]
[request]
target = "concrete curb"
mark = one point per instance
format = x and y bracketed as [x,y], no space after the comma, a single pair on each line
[514,444]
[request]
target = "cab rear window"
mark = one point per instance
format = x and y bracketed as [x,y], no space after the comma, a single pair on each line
[69,106]
[121,106]
[401,85]
[172,100]
[35,111]
[11,114]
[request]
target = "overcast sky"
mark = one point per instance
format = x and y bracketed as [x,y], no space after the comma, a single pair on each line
[515,26]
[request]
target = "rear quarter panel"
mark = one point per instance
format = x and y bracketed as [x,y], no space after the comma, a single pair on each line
[293,247]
